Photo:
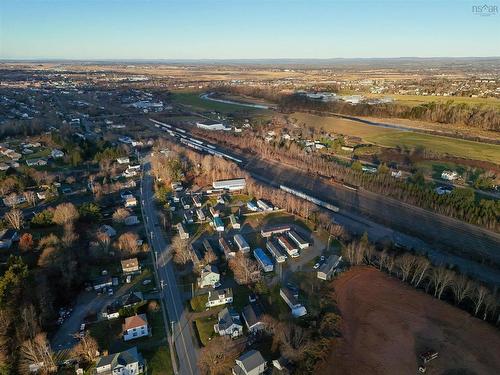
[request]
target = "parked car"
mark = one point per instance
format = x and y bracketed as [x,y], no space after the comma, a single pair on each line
[316,266]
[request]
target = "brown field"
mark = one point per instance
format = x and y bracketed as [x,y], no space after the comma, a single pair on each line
[386,324]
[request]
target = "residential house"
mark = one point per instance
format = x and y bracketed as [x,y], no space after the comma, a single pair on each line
[263,205]
[289,248]
[130,201]
[241,243]
[219,297]
[130,266]
[327,269]
[56,154]
[135,326]
[112,311]
[449,175]
[200,214]
[218,224]
[214,212]
[299,241]
[229,323]
[231,185]
[107,229]
[263,260]
[252,206]
[277,229]
[276,252]
[209,276]
[188,216]
[38,162]
[226,249]
[197,257]
[234,222]
[197,201]
[131,220]
[102,282]
[252,316]
[132,299]
[7,237]
[250,363]
[183,234]
[14,199]
[123,160]
[291,300]
[128,362]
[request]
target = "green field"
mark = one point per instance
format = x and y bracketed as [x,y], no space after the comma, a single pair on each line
[205,327]
[441,145]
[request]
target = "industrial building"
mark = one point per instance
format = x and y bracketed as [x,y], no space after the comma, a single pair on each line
[231,185]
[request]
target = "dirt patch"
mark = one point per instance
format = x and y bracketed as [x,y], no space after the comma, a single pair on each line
[386,324]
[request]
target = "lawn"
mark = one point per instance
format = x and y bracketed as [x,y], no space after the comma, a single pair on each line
[205,328]
[193,99]
[159,361]
[198,303]
[435,168]
[438,144]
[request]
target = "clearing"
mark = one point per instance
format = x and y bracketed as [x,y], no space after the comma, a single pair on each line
[386,324]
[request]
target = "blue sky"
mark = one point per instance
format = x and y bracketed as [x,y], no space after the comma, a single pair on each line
[228,29]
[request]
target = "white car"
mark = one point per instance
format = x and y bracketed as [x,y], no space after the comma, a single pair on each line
[316,266]
[217,285]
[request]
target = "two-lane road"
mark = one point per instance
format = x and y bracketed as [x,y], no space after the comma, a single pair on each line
[181,328]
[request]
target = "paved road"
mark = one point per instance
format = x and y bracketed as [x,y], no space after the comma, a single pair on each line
[182,331]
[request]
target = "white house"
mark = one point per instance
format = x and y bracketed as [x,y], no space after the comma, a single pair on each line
[135,326]
[57,154]
[299,241]
[123,160]
[183,234]
[291,300]
[250,363]
[449,175]
[130,201]
[209,276]
[327,269]
[241,243]
[229,323]
[128,362]
[219,297]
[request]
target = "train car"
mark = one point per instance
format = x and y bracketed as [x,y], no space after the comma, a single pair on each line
[309,198]
[211,146]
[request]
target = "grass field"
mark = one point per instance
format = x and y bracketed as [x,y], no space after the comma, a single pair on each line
[393,138]
[159,361]
[193,100]
[413,100]
[205,327]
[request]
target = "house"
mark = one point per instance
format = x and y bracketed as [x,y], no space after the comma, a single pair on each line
[276,229]
[41,195]
[209,276]
[107,229]
[231,185]
[228,323]
[4,167]
[449,175]
[226,249]
[196,201]
[241,243]
[56,154]
[123,160]
[234,222]
[263,205]
[186,203]
[291,300]
[7,237]
[176,186]
[134,327]
[327,269]
[283,366]
[252,316]
[14,199]
[132,299]
[263,260]
[130,265]
[200,214]
[128,362]
[131,220]
[276,252]
[112,311]
[188,217]
[250,363]
[211,125]
[299,241]
[214,212]
[219,297]
[218,224]
[183,234]
[252,206]
[208,247]
[197,257]
[130,201]
[289,248]
[102,282]
[38,162]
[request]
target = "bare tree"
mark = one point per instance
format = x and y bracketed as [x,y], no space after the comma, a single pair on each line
[120,215]
[182,253]
[30,197]
[441,278]
[65,213]
[479,296]
[490,305]
[127,243]
[87,348]
[210,257]
[104,241]
[15,218]
[462,288]
[405,263]
[422,266]
[69,237]
[36,353]
[217,358]
[245,270]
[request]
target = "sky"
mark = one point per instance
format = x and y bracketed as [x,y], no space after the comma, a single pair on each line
[244,29]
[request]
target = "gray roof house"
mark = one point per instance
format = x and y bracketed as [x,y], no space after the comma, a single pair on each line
[252,315]
[250,363]
[229,323]
[128,362]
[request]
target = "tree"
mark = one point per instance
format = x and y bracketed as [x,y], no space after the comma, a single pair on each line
[12,279]
[26,242]
[30,197]
[209,257]
[182,254]
[90,212]
[480,293]
[357,166]
[217,358]
[405,263]
[36,353]
[120,215]
[462,288]
[245,270]
[14,218]
[422,265]
[441,278]
[127,243]
[87,349]
[43,218]
[69,237]
[104,241]
[65,213]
